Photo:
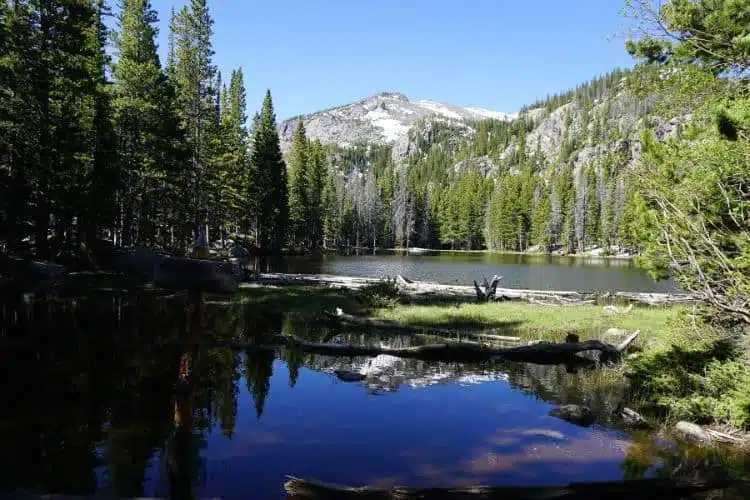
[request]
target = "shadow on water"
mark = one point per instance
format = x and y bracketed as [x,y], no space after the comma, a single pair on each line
[120,393]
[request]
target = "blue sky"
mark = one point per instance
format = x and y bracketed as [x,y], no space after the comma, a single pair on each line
[495,54]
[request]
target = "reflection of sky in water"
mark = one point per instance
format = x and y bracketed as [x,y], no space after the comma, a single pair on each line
[436,436]
[538,272]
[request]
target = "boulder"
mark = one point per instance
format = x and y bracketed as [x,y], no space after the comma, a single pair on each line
[211,276]
[693,433]
[615,335]
[240,254]
[633,419]
[575,414]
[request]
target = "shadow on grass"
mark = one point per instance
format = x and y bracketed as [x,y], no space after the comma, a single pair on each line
[307,301]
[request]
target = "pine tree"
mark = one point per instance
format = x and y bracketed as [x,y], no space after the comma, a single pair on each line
[332,215]
[269,181]
[541,233]
[232,167]
[317,171]
[138,79]
[592,207]
[194,76]
[299,188]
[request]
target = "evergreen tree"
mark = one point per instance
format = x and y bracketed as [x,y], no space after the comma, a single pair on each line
[591,207]
[138,113]
[299,188]
[234,163]
[268,180]
[317,171]
[332,211]
[541,233]
[194,76]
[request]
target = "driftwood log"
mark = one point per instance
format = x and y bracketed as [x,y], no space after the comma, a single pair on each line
[657,488]
[423,288]
[350,319]
[490,289]
[539,353]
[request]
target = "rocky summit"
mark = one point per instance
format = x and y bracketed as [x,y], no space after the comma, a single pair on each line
[383,118]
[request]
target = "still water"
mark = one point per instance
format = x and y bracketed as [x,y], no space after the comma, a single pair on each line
[541,272]
[130,393]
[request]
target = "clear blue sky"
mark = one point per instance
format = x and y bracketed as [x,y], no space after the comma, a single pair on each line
[495,54]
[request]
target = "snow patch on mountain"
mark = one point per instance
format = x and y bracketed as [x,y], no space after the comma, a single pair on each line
[495,115]
[440,109]
[383,118]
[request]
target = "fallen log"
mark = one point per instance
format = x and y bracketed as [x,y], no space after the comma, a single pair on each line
[341,316]
[661,488]
[423,288]
[540,353]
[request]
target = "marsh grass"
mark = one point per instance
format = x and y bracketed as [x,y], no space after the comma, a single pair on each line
[530,321]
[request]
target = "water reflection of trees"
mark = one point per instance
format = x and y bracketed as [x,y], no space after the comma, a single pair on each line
[125,385]
[108,384]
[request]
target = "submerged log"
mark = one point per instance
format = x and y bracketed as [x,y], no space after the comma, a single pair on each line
[661,488]
[341,316]
[540,353]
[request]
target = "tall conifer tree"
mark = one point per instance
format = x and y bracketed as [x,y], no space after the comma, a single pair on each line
[268,180]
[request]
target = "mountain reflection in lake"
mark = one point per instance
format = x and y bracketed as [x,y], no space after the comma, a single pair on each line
[127,393]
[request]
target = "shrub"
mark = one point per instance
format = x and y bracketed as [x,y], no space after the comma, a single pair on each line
[382,294]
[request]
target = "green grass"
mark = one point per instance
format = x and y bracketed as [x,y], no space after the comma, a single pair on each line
[532,321]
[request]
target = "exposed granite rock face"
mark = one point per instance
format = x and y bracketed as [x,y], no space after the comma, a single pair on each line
[384,118]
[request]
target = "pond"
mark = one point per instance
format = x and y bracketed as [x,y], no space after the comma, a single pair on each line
[128,393]
[539,272]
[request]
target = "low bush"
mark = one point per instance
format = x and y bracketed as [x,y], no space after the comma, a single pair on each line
[704,382]
[382,294]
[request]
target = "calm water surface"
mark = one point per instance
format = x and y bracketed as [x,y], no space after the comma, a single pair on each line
[128,393]
[519,271]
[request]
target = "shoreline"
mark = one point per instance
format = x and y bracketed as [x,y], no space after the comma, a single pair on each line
[426,251]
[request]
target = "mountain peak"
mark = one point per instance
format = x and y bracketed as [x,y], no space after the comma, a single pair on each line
[395,96]
[382,118]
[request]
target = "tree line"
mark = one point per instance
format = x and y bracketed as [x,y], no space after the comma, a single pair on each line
[96,146]
[495,189]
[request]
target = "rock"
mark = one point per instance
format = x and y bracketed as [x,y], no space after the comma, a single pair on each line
[575,414]
[615,335]
[210,276]
[693,433]
[633,419]
[347,376]
[241,254]
[545,433]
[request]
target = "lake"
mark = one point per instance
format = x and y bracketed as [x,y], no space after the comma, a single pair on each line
[542,272]
[127,393]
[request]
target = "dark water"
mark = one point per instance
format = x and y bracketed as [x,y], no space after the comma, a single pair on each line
[128,393]
[540,272]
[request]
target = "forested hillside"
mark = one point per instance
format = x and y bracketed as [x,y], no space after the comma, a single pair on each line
[553,178]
